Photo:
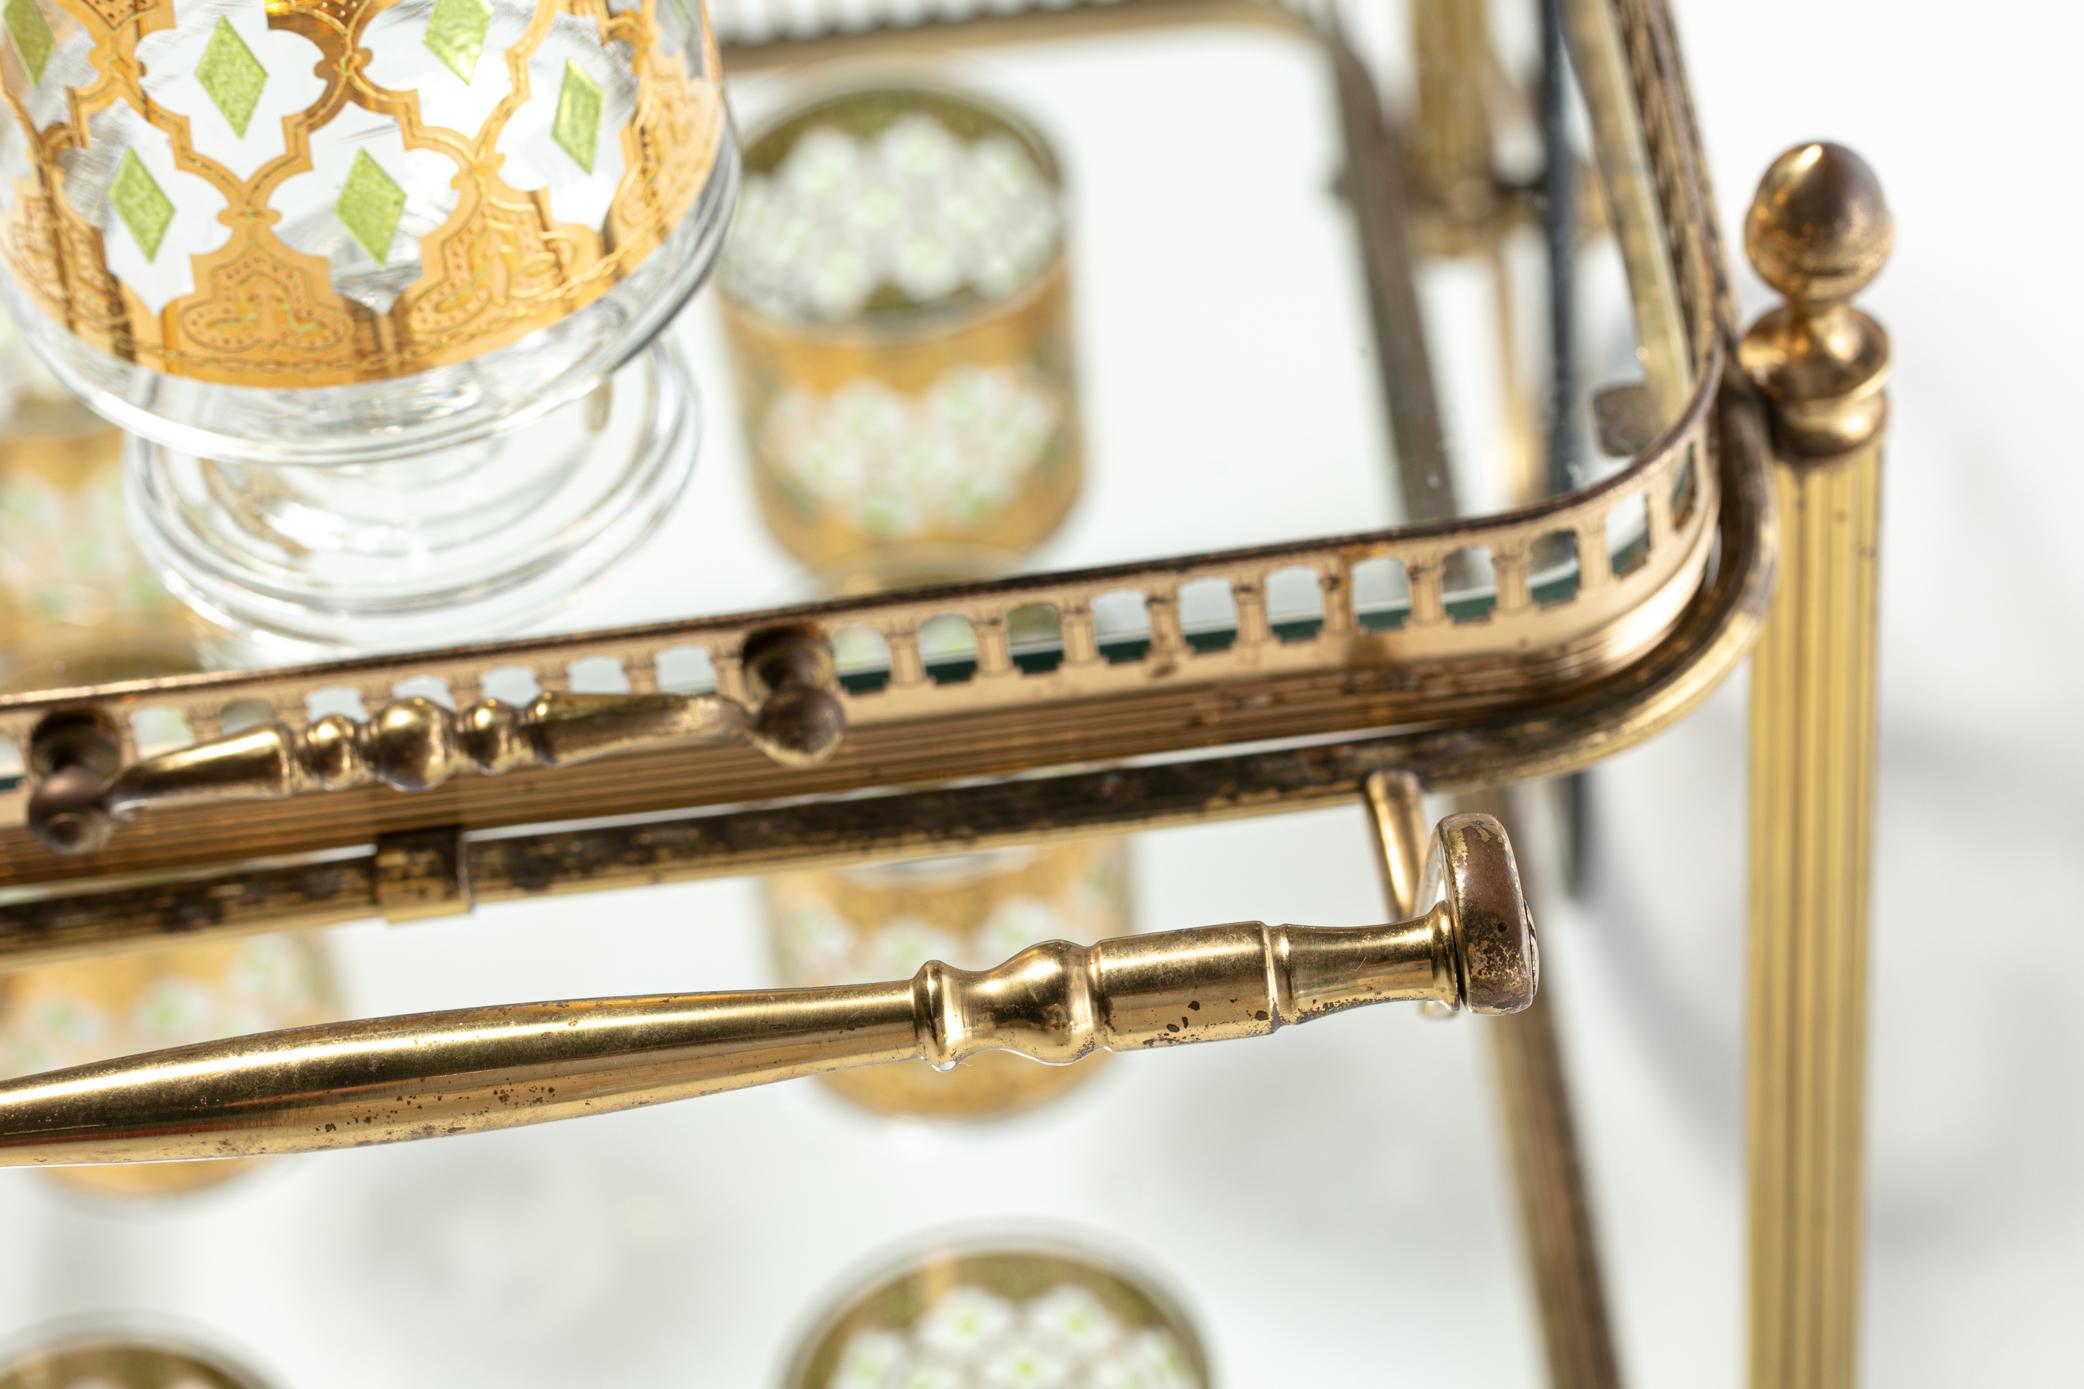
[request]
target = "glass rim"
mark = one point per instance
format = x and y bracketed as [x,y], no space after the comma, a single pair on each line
[1079,1248]
[801,97]
[150,1332]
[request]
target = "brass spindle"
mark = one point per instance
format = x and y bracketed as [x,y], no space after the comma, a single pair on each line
[388,1080]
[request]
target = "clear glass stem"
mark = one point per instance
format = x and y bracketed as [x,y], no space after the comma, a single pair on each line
[468,541]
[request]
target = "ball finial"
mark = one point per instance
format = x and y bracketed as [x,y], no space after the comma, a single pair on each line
[1819,228]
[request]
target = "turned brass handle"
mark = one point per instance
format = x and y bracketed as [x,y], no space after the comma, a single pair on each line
[81,793]
[387,1080]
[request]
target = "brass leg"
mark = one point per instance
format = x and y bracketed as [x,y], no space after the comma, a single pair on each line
[1818,231]
[1534,1112]
[1555,1216]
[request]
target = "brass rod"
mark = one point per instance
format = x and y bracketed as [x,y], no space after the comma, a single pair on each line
[1548,1178]
[1396,813]
[1819,230]
[1378,189]
[1603,67]
[960,27]
[1555,1210]
[432,1075]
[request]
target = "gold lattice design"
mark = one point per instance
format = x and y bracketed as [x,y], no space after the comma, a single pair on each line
[501,264]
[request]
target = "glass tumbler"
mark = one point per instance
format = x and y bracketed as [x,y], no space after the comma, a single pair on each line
[896,302]
[77,602]
[982,1315]
[377,285]
[973,911]
[118,1357]
[76,1012]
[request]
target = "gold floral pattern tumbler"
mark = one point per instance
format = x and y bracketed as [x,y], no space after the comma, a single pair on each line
[897,306]
[114,1358]
[73,1013]
[1019,1315]
[846,925]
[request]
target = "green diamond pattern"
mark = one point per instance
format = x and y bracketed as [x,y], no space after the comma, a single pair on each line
[577,125]
[141,203]
[456,34]
[31,33]
[231,76]
[369,206]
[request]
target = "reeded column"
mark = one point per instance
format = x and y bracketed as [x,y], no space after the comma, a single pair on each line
[1818,231]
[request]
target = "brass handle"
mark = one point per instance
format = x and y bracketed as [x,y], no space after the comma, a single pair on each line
[81,793]
[387,1080]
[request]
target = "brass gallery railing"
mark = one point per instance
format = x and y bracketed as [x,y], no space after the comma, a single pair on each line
[1337,635]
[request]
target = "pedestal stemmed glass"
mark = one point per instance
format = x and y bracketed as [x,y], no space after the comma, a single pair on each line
[378,287]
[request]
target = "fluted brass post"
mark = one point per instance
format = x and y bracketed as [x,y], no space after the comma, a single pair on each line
[1818,231]
[388,1080]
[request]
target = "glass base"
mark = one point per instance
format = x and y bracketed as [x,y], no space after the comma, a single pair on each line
[471,540]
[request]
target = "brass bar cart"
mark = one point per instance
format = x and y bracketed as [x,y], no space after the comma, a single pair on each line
[1746,453]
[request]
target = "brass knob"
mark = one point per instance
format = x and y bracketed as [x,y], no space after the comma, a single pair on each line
[1471,871]
[1819,231]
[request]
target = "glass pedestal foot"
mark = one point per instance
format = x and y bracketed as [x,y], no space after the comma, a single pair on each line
[483,537]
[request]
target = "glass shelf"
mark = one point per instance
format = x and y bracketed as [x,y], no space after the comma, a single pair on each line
[1231,386]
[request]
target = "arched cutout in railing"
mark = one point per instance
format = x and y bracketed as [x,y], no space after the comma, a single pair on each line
[1035,638]
[1295,603]
[1628,533]
[515,685]
[1553,575]
[333,699]
[862,657]
[948,648]
[1122,625]
[1470,584]
[685,670]
[1381,593]
[598,675]
[1208,615]
[160,728]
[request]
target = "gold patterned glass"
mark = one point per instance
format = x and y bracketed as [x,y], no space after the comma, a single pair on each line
[117,1359]
[326,259]
[77,601]
[897,305]
[1014,1314]
[88,1010]
[973,911]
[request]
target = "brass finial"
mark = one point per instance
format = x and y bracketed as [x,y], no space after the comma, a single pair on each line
[1819,231]
[1819,227]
